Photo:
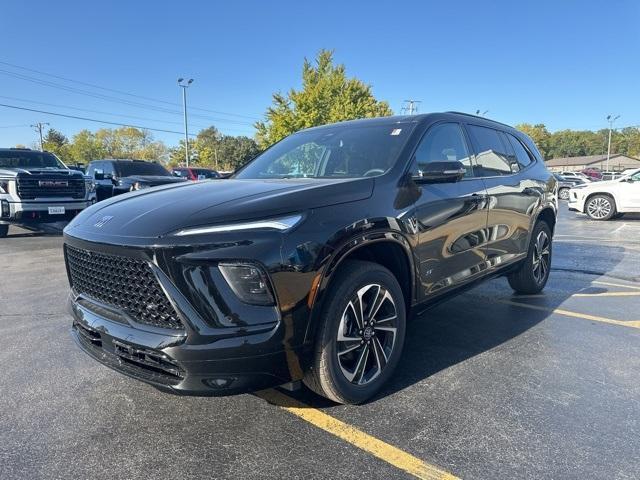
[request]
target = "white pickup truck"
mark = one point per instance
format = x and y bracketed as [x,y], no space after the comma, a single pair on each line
[607,199]
[36,187]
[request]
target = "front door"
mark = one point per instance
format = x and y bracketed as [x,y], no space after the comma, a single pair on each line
[451,218]
[629,193]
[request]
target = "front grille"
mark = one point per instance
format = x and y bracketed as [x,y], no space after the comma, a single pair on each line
[126,283]
[41,186]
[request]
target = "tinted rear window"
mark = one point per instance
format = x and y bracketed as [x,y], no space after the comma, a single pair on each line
[129,169]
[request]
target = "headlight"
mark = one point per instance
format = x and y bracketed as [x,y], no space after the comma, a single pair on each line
[90,186]
[4,186]
[249,282]
[280,224]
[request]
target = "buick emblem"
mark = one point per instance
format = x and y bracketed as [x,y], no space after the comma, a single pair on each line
[100,223]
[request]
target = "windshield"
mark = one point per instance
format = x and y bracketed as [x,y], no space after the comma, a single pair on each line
[343,151]
[28,159]
[130,169]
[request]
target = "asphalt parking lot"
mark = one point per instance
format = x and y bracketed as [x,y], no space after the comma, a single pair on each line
[491,385]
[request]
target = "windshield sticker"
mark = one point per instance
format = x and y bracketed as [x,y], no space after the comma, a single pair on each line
[396,131]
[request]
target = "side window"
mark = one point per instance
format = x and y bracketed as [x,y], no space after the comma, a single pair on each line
[91,169]
[522,154]
[443,142]
[108,168]
[492,156]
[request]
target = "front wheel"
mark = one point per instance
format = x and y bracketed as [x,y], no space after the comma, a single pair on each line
[533,273]
[600,207]
[360,340]
[563,193]
[4,231]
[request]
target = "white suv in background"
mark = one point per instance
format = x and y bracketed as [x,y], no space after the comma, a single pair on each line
[576,175]
[609,199]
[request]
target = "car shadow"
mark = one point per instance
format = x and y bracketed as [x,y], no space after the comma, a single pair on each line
[46,229]
[469,325]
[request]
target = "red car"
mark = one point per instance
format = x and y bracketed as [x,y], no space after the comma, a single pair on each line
[195,174]
[592,173]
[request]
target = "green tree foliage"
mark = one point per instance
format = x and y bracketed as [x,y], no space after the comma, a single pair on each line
[211,149]
[55,142]
[327,96]
[575,143]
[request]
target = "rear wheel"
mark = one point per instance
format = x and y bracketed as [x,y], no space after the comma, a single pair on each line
[533,274]
[4,230]
[362,334]
[563,193]
[600,207]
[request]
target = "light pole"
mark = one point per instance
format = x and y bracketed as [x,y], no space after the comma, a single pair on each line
[610,120]
[184,85]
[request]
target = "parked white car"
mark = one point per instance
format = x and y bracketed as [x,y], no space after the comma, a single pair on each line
[576,175]
[608,199]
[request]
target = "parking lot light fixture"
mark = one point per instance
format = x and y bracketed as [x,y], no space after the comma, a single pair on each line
[610,119]
[184,84]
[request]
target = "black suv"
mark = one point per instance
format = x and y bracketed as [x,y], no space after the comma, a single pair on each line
[113,177]
[306,263]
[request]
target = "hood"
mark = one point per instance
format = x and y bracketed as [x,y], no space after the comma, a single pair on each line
[151,179]
[598,185]
[157,212]
[15,172]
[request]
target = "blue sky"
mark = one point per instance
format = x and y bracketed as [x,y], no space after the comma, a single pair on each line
[563,63]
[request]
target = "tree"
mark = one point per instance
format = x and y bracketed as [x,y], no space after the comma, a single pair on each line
[55,142]
[327,96]
[539,134]
[85,147]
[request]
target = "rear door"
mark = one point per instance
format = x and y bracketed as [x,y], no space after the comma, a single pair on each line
[451,217]
[502,162]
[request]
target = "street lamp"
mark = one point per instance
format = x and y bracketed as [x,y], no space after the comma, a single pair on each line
[610,120]
[184,85]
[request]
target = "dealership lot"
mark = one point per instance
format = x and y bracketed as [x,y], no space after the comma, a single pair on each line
[491,386]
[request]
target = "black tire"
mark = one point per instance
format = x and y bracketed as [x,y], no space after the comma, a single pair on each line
[4,231]
[563,194]
[529,278]
[328,375]
[600,207]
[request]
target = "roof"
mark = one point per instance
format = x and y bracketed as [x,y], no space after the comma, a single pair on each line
[418,118]
[584,160]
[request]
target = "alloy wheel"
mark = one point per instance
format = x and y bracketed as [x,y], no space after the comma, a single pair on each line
[367,334]
[541,257]
[599,207]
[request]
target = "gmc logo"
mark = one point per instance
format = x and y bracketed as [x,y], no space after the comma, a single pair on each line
[53,183]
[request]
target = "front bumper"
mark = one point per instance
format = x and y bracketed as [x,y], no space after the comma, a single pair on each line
[35,212]
[170,363]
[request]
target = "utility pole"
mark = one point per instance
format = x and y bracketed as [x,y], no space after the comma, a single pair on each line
[411,106]
[38,127]
[610,120]
[481,114]
[184,85]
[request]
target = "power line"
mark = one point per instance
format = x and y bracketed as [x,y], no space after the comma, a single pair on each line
[114,99]
[86,119]
[125,93]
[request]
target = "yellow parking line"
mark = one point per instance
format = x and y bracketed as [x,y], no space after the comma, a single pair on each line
[568,313]
[633,287]
[390,454]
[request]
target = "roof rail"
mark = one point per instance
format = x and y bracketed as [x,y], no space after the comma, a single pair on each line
[478,116]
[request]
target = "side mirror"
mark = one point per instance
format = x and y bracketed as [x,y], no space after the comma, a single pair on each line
[98,175]
[440,172]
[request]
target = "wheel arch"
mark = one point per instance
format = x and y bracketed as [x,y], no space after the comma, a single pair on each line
[387,248]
